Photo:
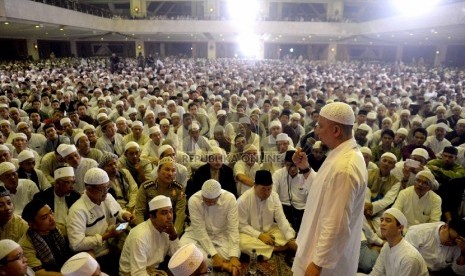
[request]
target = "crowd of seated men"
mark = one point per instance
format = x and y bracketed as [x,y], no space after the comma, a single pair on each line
[154,165]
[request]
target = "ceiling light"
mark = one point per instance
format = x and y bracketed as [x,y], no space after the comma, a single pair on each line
[61,29]
[37,26]
[6,23]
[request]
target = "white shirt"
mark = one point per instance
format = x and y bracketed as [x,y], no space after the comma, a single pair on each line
[105,145]
[150,149]
[61,211]
[24,193]
[37,143]
[436,145]
[215,226]
[332,222]
[291,190]
[402,259]
[425,238]
[87,222]
[418,210]
[145,247]
[242,168]
[257,216]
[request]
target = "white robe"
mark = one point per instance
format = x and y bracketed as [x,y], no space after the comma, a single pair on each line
[332,223]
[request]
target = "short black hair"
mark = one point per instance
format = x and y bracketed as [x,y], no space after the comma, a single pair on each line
[388,132]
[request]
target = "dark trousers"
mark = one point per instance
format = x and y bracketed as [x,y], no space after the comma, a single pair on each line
[294,216]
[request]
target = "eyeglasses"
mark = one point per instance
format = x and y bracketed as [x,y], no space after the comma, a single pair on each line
[102,190]
[20,256]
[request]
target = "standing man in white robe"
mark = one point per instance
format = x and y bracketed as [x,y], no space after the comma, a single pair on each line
[329,238]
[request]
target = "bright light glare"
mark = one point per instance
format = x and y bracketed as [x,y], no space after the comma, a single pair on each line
[243,9]
[415,7]
[249,45]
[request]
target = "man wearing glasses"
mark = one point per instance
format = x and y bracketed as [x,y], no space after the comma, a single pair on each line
[12,260]
[91,222]
[441,244]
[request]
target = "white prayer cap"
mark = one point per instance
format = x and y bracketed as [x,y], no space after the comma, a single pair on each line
[366,150]
[131,144]
[66,150]
[65,121]
[244,120]
[147,113]
[88,127]
[421,152]
[221,112]
[417,119]
[338,112]
[137,123]
[3,105]
[211,189]
[387,119]
[186,260]
[398,215]
[364,127]
[79,265]
[389,155]
[63,172]
[164,121]
[101,115]
[6,247]
[175,114]
[402,131]
[19,135]
[131,110]
[405,111]
[78,136]
[442,125]
[3,122]
[440,108]
[4,148]
[96,176]
[162,110]
[371,115]
[154,129]
[250,147]
[282,137]
[20,124]
[121,119]
[170,102]
[275,123]
[295,116]
[431,179]
[275,108]
[194,127]
[163,148]
[24,155]
[461,121]
[317,145]
[158,202]
[6,167]
[119,103]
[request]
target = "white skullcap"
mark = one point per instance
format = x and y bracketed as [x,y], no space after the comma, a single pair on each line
[4,148]
[3,105]
[433,183]
[282,137]
[101,115]
[295,116]
[88,127]
[79,265]
[461,121]
[154,129]
[63,172]
[6,167]
[387,119]
[194,127]
[211,189]
[2,122]
[78,136]
[402,131]
[131,144]
[371,115]
[19,135]
[121,119]
[366,150]
[162,110]
[364,127]
[440,108]
[442,125]
[398,215]
[137,123]
[147,113]
[119,103]
[405,111]
[6,247]
[317,145]
[20,124]
[175,114]
[66,150]
[275,108]
[390,155]
[96,176]
[338,112]
[275,123]
[132,110]
[250,147]
[164,121]
[65,121]
[163,148]
[186,260]
[221,112]
[417,120]
[421,152]
[158,202]
[170,102]
[24,155]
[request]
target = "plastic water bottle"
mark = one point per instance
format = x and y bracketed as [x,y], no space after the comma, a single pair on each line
[210,265]
[253,263]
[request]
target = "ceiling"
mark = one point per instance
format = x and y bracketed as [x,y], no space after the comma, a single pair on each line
[431,36]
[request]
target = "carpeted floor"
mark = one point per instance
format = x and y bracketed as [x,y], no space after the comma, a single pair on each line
[275,266]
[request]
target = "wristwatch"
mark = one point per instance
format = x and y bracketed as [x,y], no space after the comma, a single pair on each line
[304,171]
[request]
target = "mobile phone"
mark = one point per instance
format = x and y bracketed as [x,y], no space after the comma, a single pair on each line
[122,226]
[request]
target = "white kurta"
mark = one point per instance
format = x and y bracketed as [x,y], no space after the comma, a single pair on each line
[402,259]
[332,223]
[291,190]
[419,210]
[24,193]
[242,168]
[215,229]
[145,247]
[425,238]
